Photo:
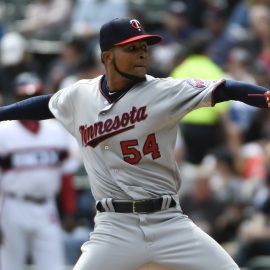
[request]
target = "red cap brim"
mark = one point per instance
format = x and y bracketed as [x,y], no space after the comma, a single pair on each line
[150,39]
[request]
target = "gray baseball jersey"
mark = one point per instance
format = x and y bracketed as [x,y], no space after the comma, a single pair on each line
[127,147]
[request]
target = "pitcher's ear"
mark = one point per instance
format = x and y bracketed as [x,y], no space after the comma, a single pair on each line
[105,56]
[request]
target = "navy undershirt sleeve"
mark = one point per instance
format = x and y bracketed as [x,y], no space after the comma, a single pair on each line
[34,108]
[37,108]
[235,90]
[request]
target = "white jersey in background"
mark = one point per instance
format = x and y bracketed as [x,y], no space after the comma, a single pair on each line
[31,166]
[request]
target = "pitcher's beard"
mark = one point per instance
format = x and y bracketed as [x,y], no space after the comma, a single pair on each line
[128,76]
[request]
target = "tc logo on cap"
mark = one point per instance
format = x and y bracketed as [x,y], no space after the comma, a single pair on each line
[136,24]
[121,31]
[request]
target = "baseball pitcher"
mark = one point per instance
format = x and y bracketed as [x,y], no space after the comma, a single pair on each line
[125,122]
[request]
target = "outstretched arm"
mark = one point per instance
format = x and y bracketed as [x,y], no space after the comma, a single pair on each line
[251,94]
[35,108]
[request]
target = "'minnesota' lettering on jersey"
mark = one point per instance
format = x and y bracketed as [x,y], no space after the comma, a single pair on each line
[92,135]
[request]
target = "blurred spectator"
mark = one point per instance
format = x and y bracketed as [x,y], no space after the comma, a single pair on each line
[175,30]
[3,23]
[260,24]
[85,213]
[13,49]
[87,67]
[229,187]
[89,15]
[239,21]
[226,181]
[248,26]
[73,241]
[259,128]
[215,21]
[254,162]
[201,205]
[238,65]
[177,27]
[73,52]
[197,8]
[254,233]
[46,19]
[15,58]
[238,68]
[149,12]
[11,11]
[202,129]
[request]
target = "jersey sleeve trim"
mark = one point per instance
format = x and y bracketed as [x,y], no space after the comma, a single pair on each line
[213,102]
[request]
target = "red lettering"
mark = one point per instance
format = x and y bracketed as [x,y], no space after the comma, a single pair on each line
[125,119]
[91,132]
[83,133]
[141,114]
[108,125]
[98,127]
[132,115]
[116,123]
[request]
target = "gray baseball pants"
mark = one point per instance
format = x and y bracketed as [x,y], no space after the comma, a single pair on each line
[169,238]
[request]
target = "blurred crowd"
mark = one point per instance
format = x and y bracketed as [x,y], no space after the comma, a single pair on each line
[223,152]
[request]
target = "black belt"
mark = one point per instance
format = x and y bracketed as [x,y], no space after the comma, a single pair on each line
[27,198]
[136,207]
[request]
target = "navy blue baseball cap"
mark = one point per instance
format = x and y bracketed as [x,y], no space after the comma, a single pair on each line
[121,31]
